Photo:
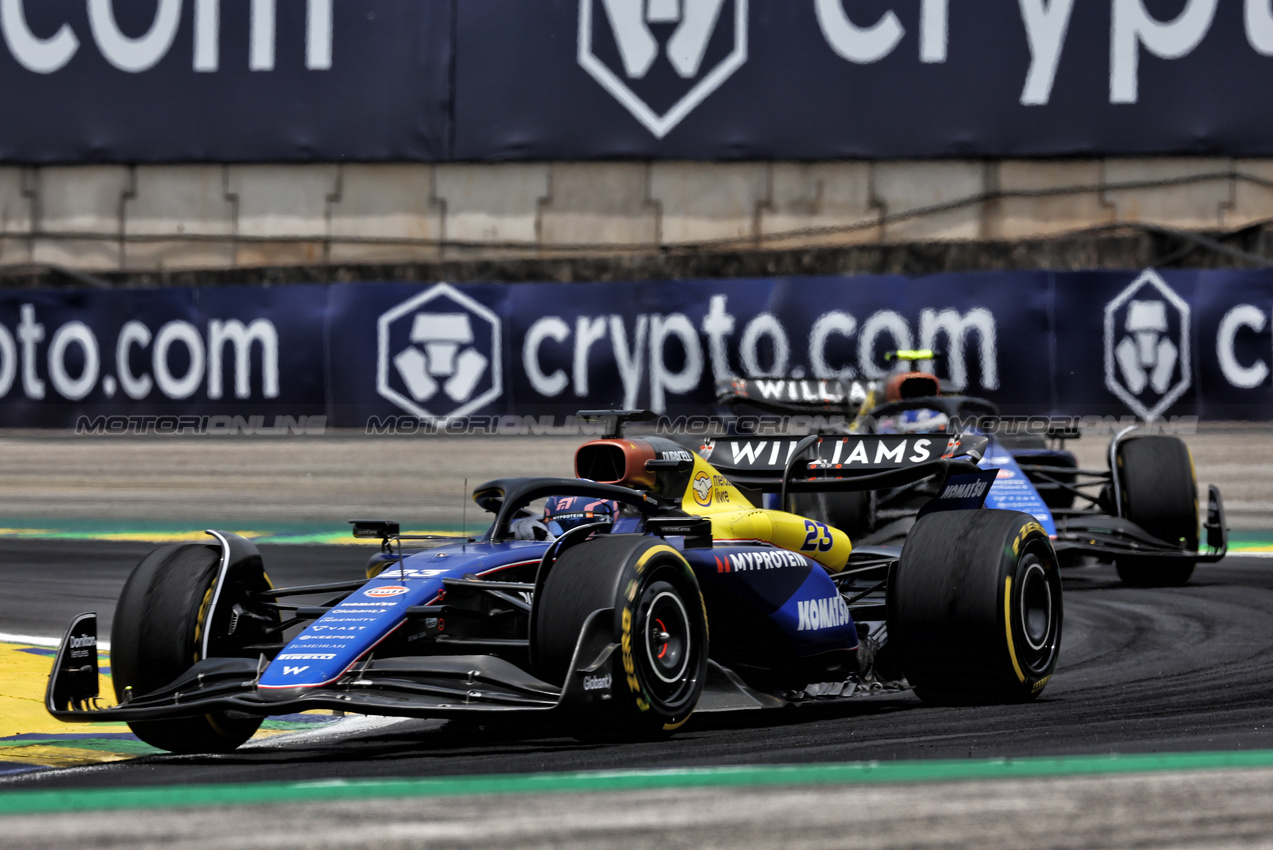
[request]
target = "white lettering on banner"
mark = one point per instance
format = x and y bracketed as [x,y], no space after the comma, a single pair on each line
[883,322]
[663,328]
[858,44]
[188,336]
[934,324]
[134,55]
[717,325]
[30,334]
[1133,27]
[198,358]
[629,359]
[1046,22]
[1246,316]
[1259,26]
[649,342]
[865,45]
[140,54]
[548,328]
[40,55]
[70,388]
[8,361]
[765,325]
[836,322]
[260,331]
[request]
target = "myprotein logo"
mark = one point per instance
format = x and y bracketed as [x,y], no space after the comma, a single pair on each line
[439,354]
[662,58]
[1147,353]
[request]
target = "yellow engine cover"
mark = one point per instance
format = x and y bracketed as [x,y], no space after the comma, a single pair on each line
[734,518]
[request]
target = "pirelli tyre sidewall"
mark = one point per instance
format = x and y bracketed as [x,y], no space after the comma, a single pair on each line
[975,608]
[158,633]
[659,624]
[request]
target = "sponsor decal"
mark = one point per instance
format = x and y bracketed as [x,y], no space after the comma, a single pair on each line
[348,620]
[83,641]
[772,559]
[597,683]
[681,455]
[381,607]
[1147,346]
[818,614]
[306,656]
[702,487]
[330,624]
[671,54]
[438,354]
[385,591]
[964,491]
[294,671]
[846,452]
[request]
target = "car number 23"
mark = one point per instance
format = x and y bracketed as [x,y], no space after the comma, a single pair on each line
[817,537]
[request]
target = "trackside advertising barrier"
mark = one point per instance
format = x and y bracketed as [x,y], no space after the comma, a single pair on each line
[1153,345]
[485,80]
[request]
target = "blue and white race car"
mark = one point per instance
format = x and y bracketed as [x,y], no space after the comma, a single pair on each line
[649,586]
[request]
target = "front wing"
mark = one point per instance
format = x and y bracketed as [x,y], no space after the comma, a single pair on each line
[436,686]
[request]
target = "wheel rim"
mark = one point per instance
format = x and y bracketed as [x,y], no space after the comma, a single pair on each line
[667,637]
[1036,604]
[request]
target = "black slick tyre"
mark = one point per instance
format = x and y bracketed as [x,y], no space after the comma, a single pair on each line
[656,616]
[1157,490]
[158,634]
[974,607]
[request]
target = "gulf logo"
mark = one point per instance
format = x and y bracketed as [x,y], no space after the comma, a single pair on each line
[386,590]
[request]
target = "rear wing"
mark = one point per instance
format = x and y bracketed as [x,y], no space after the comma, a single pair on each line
[841,462]
[794,395]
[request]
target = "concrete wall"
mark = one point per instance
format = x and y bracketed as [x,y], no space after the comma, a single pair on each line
[170,218]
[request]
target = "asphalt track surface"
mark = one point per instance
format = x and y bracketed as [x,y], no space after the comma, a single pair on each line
[1142,671]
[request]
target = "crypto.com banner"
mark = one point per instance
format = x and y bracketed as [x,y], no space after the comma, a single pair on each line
[378,355]
[486,80]
[827,79]
[224,80]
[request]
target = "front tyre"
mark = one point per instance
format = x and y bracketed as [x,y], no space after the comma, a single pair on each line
[1157,490]
[656,615]
[158,634]
[974,607]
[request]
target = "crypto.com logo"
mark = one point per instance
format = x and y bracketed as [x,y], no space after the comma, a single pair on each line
[634,24]
[1147,346]
[440,362]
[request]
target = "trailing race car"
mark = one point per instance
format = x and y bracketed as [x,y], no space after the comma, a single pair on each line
[1141,513]
[643,589]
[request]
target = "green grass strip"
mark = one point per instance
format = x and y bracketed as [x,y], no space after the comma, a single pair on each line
[36,802]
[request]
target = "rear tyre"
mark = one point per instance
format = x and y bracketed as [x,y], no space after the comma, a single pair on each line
[158,632]
[1157,490]
[974,607]
[656,616]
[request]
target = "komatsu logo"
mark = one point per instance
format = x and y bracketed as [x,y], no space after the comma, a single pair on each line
[817,614]
[964,491]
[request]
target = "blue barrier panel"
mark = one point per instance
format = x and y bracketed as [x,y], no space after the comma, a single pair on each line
[1147,345]
[224,80]
[231,351]
[487,80]
[830,79]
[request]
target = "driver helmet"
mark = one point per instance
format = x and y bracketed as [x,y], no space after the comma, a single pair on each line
[562,513]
